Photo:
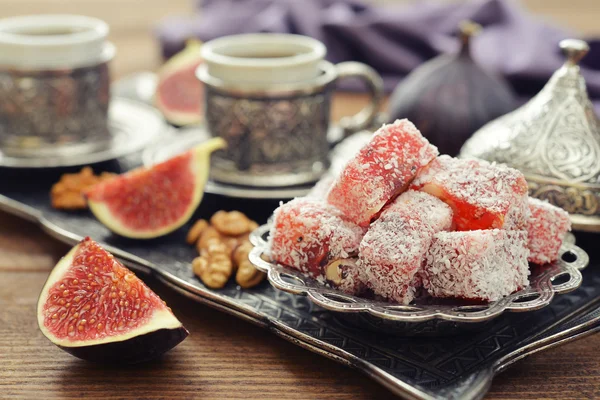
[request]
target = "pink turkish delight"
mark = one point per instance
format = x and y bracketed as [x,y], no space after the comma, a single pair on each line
[307,234]
[546,230]
[381,170]
[481,194]
[393,249]
[479,265]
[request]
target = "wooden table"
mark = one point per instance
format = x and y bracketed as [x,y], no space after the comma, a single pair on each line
[223,357]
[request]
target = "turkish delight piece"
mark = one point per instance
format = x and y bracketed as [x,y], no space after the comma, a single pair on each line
[482,195]
[478,265]
[422,206]
[381,169]
[393,249]
[307,234]
[517,217]
[546,231]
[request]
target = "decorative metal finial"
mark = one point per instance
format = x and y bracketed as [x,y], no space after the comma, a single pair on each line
[574,50]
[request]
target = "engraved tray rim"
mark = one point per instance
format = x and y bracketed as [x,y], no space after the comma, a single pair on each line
[541,290]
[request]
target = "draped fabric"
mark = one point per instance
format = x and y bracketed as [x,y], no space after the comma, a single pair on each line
[394,39]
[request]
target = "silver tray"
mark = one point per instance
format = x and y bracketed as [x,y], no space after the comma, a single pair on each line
[562,276]
[412,364]
[417,367]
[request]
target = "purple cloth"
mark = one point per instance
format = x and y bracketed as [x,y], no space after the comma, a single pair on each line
[396,39]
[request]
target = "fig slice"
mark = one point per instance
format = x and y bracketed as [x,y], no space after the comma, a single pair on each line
[96,309]
[147,203]
[179,93]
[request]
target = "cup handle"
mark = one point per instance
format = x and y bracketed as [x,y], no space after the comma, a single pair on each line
[367,115]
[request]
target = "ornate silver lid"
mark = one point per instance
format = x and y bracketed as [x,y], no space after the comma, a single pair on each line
[554,139]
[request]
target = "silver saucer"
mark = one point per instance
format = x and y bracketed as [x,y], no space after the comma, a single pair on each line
[139,86]
[243,192]
[133,124]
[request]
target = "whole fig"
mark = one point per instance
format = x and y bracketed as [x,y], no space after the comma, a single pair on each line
[449,97]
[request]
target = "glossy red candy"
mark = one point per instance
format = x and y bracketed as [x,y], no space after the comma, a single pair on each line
[482,195]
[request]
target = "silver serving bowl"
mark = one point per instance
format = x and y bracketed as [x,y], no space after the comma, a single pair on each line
[426,315]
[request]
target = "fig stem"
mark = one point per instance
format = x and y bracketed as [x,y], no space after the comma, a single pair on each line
[468,29]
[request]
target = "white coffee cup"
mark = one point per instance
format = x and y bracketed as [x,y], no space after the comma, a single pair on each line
[269,96]
[53,41]
[54,85]
[263,59]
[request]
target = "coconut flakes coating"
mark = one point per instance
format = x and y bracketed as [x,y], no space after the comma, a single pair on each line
[383,168]
[482,195]
[393,249]
[518,214]
[307,234]
[424,207]
[479,265]
[391,253]
[546,231]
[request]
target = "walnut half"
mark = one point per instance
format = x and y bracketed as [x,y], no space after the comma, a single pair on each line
[214,266]
[247,275]
[225,236]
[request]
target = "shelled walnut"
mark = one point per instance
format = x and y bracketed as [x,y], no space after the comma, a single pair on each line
[232,223]
[67,193]
[196,231]
[247,275]
[214,266]
[205,237]
[225,236]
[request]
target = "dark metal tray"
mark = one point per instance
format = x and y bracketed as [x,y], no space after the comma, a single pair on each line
[459,366]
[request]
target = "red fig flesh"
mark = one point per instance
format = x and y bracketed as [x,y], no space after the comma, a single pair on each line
[179,94]
[152,202]
[96,309]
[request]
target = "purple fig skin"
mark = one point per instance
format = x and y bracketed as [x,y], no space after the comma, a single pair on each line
[136,350]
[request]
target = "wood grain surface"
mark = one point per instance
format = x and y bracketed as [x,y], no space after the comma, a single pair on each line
[223,357]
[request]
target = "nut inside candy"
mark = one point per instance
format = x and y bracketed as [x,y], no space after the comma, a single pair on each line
[335,270]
